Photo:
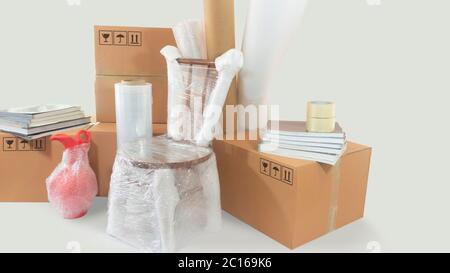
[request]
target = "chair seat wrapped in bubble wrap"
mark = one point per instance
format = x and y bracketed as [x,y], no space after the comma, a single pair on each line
[163,194]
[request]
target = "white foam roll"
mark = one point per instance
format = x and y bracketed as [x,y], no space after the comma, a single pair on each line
[133,111]
[227,65]
[176,96]
[190,38]
[270,26]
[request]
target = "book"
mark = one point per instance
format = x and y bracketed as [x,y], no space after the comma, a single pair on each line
[309,139]
[45,128]
[35,112]
[330,159]
[298,129]
[291,139]
[275,146]
[25,123]
[303,143]
[49,133]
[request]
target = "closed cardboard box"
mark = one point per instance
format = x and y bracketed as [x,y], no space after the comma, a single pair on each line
[24,166]
[124,53]
[292,201]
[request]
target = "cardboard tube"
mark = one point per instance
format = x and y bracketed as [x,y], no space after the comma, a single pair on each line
[219,33]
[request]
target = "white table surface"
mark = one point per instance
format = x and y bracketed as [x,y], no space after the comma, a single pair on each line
[36,227]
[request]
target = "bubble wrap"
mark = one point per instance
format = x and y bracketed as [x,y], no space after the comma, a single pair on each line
[72,186]
[163,194]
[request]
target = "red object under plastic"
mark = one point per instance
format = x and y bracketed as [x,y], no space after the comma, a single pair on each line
[73,185]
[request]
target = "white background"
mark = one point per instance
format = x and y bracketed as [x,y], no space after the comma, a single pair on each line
[387,66]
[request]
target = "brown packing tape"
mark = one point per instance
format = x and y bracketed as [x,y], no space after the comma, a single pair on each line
[220,35]
[334,200]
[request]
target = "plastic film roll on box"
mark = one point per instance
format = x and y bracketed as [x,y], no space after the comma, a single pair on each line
[321,116]
[133,111]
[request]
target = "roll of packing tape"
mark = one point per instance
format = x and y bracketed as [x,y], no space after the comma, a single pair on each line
[321,109]
[321,117]
[321,125]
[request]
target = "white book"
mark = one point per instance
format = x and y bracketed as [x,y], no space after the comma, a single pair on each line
[21,123]
[39,111]
[298,129]
[45,128]
[271,137]
[302,143]
[275,146]
[49,133]
[318,157]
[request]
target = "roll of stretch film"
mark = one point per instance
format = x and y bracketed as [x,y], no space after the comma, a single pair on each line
[133,111]
[321,117]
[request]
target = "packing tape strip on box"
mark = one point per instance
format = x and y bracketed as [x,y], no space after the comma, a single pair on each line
[334,200]
[321,117]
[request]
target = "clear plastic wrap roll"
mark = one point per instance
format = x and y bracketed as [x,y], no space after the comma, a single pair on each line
[163,194]
[133,111]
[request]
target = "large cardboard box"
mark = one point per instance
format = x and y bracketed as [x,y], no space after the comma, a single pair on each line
[292,201]
[24,166]
[130,53]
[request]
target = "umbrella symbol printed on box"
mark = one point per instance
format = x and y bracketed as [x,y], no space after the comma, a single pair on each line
[120,38]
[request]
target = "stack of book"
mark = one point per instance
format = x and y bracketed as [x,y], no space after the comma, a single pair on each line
[291,139]
[38,121]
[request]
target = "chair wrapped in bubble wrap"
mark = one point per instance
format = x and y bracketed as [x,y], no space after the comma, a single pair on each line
[163,194]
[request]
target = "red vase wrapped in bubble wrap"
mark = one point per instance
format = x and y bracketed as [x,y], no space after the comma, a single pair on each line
[72,186]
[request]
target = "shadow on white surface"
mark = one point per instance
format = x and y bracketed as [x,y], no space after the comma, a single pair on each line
[37,227]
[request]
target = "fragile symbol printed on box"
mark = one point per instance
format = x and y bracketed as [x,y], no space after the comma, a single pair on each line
[13,144]
[277,171]
[120,38]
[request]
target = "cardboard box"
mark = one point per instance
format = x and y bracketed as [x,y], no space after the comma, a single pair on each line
[137,54]
[24,167]
[292,201]
[125,53]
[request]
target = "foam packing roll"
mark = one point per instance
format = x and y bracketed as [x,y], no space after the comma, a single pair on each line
[321,117]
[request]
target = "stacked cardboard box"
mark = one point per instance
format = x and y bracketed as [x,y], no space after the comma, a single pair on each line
[129,53]
[121,53]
